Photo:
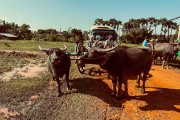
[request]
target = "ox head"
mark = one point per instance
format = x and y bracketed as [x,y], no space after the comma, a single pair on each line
[55,54]
[97,51]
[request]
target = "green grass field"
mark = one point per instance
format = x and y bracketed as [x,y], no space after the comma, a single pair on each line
[31,45]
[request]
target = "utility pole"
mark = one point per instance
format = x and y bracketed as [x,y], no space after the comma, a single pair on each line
[69,32]
[179,34]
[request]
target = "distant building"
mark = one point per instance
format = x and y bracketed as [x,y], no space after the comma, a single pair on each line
[7,36]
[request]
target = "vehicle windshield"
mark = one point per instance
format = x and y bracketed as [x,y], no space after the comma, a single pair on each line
[103,34]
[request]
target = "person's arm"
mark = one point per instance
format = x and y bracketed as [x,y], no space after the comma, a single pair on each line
[105,44]
[88,44]
[114,43]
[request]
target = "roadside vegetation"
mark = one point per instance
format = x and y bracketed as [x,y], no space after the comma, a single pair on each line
[132,31]
[32,45]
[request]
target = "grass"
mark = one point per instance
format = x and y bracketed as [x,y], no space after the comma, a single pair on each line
[31,45]
[7,63]
[15,94]
[20,88]
[17,91]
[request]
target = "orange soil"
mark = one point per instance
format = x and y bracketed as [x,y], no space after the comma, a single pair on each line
[160,102]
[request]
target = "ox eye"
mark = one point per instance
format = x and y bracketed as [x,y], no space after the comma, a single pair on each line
[50,52]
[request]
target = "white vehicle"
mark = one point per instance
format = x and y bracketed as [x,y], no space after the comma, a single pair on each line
[103,32]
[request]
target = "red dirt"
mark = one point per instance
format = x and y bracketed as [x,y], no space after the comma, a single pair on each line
[160,102]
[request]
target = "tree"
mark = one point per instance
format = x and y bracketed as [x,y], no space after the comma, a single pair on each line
[151,22]
[156,23]
[163,25]
[114,23]
[24,32]
[98,21]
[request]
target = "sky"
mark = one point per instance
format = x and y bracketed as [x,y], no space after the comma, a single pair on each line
[81,14]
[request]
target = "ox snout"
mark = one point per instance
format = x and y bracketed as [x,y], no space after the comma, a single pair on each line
[56,61]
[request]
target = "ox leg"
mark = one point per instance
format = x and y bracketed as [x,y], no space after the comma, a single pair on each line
[54,79]
[138,81]
[154,59]
[163,64]
[119,85]
[164,61]
[167,64]
[125,87]
[99,72]
[67,81]
[168,61]
[144,81]
[175,56]
[114,81]
[59,86]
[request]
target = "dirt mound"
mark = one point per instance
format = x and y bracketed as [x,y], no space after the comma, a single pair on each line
[28,71]
[20,54]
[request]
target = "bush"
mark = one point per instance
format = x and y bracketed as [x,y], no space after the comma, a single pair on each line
[135,36]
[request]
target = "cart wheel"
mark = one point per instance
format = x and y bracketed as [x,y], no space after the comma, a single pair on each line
[80,68]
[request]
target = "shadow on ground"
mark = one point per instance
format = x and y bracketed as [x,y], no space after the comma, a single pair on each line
[97,88]
[159,99]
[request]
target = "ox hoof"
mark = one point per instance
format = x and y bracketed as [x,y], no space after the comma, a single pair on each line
[142,91]
[118,97]
[137,86]
[59,94]
[69,88]
[113,94]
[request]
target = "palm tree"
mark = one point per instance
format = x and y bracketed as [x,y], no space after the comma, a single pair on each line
[98,21]
[151,22]
[142,22]
[169,24]
[118,24]
[132,23]
[156,23]
[163,24]
[126,27]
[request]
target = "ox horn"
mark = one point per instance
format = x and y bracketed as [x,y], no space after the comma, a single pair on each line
[43,49]
[107,50]
[64,49]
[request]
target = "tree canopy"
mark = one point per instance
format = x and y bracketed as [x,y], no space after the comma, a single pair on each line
[132,31]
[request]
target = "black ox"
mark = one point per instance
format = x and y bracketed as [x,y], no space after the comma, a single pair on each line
[165,51]
[58,64]
[122,61]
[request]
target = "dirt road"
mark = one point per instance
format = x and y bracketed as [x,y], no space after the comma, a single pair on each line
[91,99]
[162,100]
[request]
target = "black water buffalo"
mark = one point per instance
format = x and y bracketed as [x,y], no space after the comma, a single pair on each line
[176,49]
[58,64]
[122,61]
[163,50]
